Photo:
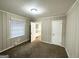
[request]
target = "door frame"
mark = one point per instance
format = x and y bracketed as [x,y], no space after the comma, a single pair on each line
[61,34]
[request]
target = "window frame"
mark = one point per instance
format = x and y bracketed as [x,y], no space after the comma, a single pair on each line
[15,19]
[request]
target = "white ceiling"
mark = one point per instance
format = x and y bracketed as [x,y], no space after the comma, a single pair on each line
[47,7]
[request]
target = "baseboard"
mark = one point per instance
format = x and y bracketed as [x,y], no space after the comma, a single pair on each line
[53,43]
[13,46]
[67,53]
[7,49]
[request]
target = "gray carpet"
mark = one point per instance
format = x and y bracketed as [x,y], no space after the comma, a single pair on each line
[36,49]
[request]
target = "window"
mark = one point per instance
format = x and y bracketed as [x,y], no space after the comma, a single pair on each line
[17,28]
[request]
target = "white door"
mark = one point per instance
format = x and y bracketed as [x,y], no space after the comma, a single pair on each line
[33,31]
[57,32]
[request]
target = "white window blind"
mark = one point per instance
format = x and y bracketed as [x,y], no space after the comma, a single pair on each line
[17,28]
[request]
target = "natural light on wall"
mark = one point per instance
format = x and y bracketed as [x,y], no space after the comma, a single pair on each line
[17,28]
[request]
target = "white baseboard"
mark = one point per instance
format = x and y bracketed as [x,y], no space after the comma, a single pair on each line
[6,49]
[12,46]
[67,53]
[53,43]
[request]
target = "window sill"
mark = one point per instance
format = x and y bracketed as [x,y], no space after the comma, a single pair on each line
[16,37]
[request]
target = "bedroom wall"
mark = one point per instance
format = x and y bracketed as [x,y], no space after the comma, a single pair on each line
[6,42]
[47,28]
[72,31]
[1,31]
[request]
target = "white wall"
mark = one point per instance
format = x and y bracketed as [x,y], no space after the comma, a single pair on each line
[5,42]
[1,31]
[72,31]
[47,28]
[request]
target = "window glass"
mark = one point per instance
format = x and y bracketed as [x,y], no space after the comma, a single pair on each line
[17,28]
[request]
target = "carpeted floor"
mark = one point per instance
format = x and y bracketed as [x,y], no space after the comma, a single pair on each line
[36,49]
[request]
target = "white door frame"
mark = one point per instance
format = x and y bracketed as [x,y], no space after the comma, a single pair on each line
[54,31]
